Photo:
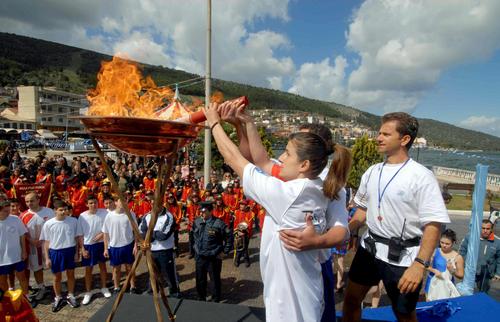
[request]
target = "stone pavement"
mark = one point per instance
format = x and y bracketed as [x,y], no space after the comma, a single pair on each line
[239,285]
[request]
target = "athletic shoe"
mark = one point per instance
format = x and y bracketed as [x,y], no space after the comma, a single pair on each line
[40,294]
[86,298]
[56,306]
[116,290]
[71,300]
[134,290]
[105,291]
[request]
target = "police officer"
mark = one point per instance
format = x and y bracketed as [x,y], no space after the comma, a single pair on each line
[211,238]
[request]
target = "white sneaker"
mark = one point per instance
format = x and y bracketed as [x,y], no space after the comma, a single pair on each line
[105,291]
[86,298]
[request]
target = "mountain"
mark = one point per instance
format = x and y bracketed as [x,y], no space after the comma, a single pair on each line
[29,61]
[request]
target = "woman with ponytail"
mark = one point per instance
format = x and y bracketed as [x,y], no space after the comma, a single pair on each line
[334,179]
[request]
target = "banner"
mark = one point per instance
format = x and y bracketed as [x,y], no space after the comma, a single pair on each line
[43,190]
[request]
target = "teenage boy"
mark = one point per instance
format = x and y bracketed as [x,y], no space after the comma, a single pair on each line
[91,244]
[14,211]
[34,219]
[61,237]
[119,244]
[12,248]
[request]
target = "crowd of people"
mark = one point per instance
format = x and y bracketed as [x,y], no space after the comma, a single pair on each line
[298,203]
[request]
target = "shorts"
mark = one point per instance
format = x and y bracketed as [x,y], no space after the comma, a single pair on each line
[368,270]
[35,259]
[96,254]
[7,269]
[62,259]
[121,255]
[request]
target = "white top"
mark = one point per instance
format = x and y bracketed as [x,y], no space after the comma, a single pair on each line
[160,225]
[89,225]
[60,233]
[40,217]
[293,284]
[11,229]
[413,195]
[119,229]
[336,216]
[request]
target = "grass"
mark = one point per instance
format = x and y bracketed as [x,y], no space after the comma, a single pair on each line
[461,202]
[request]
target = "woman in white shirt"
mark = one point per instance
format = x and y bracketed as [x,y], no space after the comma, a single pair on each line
[293,285]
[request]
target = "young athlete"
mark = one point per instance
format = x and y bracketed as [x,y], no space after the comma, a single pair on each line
[61,238]
[91,245]
[119,244]
[288,277]
[12,248]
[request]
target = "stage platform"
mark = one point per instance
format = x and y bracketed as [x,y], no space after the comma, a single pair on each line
[476,307]
[141,308]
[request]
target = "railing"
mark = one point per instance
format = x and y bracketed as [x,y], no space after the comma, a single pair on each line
[466,176]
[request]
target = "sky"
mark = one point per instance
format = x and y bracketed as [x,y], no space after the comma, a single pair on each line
[433,59]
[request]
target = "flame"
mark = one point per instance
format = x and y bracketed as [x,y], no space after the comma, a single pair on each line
[122,91]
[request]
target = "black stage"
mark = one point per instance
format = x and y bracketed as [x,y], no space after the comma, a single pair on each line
[141,308]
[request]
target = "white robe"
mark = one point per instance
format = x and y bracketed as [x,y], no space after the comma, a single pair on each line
[293,284]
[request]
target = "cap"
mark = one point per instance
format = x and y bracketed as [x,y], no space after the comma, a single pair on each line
[206,205]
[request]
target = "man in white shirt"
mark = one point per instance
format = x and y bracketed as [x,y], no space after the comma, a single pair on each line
[91,245]
[401,203]
[34,219]
[12,248]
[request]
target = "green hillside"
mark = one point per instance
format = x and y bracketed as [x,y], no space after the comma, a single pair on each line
[29,61]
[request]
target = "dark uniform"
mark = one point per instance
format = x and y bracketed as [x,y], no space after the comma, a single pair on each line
[211,238]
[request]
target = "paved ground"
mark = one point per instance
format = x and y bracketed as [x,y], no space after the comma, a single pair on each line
[239,285]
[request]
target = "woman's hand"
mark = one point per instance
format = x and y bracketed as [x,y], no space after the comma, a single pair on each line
[227,111]
[212,114]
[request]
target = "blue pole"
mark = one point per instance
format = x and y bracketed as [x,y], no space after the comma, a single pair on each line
[467,285]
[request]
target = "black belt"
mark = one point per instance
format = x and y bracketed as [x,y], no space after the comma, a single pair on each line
[406,243]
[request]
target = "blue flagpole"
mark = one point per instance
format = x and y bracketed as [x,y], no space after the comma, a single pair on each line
[467,285]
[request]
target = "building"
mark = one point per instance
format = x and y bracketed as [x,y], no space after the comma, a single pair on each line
[44,108]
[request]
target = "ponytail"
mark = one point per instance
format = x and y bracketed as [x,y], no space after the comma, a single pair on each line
[338,172]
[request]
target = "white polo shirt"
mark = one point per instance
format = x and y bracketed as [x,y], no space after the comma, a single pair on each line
[11,229]
[119,229]
[412,195]
[60,233]
[89,225]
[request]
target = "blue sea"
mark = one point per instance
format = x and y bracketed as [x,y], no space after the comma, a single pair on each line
[466,160]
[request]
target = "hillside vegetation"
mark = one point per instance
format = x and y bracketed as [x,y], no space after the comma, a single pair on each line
[29,61]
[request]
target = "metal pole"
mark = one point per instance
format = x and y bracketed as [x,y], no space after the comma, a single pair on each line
[208,67]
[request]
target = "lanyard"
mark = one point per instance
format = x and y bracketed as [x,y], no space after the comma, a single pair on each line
[380,196]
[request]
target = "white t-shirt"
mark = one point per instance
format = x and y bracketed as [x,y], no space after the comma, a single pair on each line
[11,229]
[40,217]
[89,225]
[413,195]
[119,229]
[293,284]
[336,216]
[169,242]
[60,233]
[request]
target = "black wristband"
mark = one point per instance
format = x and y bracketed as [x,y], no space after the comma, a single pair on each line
[213,125]
[426,264]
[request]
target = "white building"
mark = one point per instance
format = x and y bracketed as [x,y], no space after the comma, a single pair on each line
[44,108]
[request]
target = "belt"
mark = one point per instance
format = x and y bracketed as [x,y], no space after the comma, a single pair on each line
[406,243]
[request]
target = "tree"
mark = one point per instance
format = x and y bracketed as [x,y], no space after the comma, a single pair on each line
[364,154]
[267,141]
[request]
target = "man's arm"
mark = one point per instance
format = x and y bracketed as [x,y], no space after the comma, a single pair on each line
[46,253]
[413,275]
[22,241]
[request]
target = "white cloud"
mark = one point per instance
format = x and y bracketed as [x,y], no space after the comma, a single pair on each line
[140,46]
[321,80]
[405,46]
[486,124]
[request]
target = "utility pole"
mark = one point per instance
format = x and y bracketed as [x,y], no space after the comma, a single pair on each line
[208,72]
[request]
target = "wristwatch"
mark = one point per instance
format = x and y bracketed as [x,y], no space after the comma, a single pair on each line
[421,261]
